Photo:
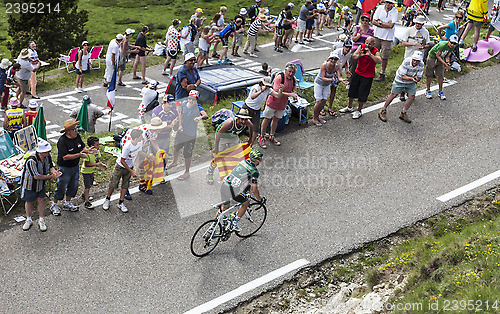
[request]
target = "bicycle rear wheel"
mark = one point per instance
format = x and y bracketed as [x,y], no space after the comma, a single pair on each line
[252,221]
[206,238]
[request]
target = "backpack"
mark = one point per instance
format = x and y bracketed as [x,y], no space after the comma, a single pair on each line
[118,137]
[282,75]
[220,116]
[153,104]
[252,12]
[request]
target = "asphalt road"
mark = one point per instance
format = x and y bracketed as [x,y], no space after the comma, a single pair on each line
[330,190]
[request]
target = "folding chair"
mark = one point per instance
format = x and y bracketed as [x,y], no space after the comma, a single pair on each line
[95,55]
[8,202]
[300,74]
[68,59]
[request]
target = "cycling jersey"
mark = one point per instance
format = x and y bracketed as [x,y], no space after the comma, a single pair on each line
[242,175]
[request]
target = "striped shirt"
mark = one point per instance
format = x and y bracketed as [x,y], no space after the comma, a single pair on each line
[254,27]
[406,68]
[33,167]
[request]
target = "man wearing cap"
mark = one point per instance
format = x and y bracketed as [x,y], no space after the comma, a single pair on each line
[4,66]
[14,119]
[199,19]
[384,20]
[37,169]
[187,77]
[168,114]
[238,38]
[24,74]
[70,148]
[149,95]
[112,57]
[125,50]
[94,113]
[344,54]
[30,115]
[143,47]
[228,135]
[436,64]
[408,75]
[190,114]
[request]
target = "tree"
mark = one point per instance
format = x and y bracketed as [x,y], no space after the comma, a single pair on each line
[56,27]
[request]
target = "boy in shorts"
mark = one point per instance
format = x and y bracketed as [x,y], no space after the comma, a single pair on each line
[88,168]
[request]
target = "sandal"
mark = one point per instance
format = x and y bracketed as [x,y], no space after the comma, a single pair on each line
[322,112]
[136,78]
[317,123]
[183,177]
[332,113]
[121,84]
[322,121]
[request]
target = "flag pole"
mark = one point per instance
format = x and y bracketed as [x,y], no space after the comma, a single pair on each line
[110,116]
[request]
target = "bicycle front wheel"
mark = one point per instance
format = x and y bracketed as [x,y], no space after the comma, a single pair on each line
[206,238]
[252,221]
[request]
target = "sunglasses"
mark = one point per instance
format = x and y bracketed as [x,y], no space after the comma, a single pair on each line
[459,17]
[365,20]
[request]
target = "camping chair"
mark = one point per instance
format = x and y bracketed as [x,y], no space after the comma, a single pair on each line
[94,55]
[68,59]
[300,75]
[7,150]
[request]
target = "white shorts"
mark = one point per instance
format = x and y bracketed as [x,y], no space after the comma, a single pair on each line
[301,26]
[321,92]
[270,112]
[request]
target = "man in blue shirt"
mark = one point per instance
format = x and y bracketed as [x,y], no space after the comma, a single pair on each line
[187,77]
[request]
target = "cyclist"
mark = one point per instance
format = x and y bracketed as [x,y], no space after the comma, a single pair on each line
[235,186]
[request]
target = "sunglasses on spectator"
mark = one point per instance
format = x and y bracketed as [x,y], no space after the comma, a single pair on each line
[365,20]
[459,17]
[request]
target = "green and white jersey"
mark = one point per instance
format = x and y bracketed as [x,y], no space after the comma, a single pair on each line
[233,131]
[242,175]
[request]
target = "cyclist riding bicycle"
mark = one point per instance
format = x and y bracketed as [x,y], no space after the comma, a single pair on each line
[235,186]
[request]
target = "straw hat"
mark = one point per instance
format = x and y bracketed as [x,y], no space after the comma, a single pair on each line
[262,17]
[5,64]
[68,124]
[156,124]
[25,53]
[263,11]
[243,114]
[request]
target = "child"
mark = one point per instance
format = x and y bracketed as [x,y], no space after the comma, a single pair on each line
[88,168]
[204,46]
[124,169]
[266,69]
[30,115]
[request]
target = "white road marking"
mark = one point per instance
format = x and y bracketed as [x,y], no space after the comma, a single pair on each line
[466,188]
[205,307]
[68,93]
[128,97]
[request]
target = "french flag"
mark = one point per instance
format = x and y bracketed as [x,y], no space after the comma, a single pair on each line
[368,4]
[111,90]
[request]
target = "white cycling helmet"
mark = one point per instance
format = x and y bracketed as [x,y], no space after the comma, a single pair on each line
[345,8]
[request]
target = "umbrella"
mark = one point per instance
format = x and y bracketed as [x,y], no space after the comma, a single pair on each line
[83,117]
[39,124]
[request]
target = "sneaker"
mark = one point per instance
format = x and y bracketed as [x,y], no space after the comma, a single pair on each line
[357,114]
[164,73]
[42,226]
[382,114]
[262,142]
[210,178]
[219,61]
[69,206]
[78,90]
[346,110]
[235,227]
[83,89]
[253,55]
[91,198]
[428,94]
[245,52]
[105,205]
[474,48]
[27,225]
[122,207]
[149,192]
[403,116]
[380,78]
[227,60]
[347,86]
[442,96]
[273,140]
[54,208]
[143,188]
[88,205]
[128,197]
[256,50]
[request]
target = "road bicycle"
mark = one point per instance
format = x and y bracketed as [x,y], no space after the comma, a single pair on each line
[211,232]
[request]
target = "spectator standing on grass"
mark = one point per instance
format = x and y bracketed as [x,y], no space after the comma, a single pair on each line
[4,66]
[436,64]
[238,38]
[187,77]
[368,57]
[10,82]
[112,58]
[173,46]
[38,168]
[190,114]
[286,84]
[24,74]
[93,111]
[452,27]
[254,29]
[32,80]
[125,50]
[70,148]
[384,19]
[82,66]
[359,35]
[254,10]
[408,75]
[89,166]
[143,47]
[344,55]
[301,22]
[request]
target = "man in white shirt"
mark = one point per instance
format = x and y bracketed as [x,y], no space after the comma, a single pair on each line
[384,21]
[416,38]
[112,58]
[24,74]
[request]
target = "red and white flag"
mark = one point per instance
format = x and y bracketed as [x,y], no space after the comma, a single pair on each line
[111,90]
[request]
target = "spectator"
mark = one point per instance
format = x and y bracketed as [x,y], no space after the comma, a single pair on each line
[359,12]
[287,28]
[254,10]
[191,113]
[82,66]
[332,7]
[149,95]
[256,98]
[168,114]
[311,19]
[253,31]
[143,47]
[495,20]
[35,172]
[384,19]
[216,27]
[477,13]
[266,69]
[367,56]
[33,58]
[191,36]
[231,28]
[286,84]
[30,115]
[24,74]
[436,64]
[344,55]
[359,36]
[93,111]
[280,28]
[125,50]
[14,119]
[204,46]
[238,38]
[4,66]
[452,27]
[328,75]
[301,21]
[187,77]
[112,58]
[9,82]
[123,169]
[89,166]
[70,148]
[173,46]
[320,22]
[198,18]
[408,75]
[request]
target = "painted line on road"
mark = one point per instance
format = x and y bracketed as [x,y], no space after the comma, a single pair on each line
[396,100]
[248,287]
[69,93]
[466,188]
[128,97]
